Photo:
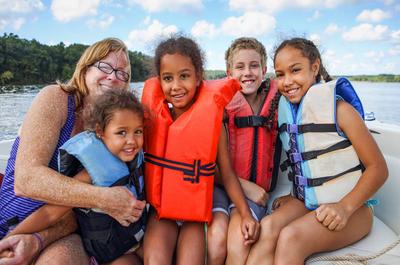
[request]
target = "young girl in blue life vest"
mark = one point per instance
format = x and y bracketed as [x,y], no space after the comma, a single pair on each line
[183,140]
[334,162]
[251,123]
[108,153]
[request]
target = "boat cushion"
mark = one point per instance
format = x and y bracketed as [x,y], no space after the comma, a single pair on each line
[379,238]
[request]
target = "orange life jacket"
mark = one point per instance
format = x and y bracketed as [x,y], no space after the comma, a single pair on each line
[181,154]
[252,137]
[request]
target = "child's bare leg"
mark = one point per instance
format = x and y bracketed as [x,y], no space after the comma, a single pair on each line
[159,241]
[66,251]
[191,246]
[237,251]
[263,251]
[127,259]
[217,234]
[306,236]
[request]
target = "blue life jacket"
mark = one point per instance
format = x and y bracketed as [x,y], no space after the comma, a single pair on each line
[324,164]
[103,237]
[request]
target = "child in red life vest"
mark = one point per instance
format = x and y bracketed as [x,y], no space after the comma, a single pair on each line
[251,125]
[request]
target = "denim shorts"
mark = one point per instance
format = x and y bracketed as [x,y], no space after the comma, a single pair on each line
[221,203]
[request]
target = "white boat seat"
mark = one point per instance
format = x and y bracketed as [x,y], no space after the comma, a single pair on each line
[379,238]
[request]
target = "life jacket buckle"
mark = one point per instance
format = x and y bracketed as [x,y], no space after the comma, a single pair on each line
[292,128]
[300,180]
[295,157]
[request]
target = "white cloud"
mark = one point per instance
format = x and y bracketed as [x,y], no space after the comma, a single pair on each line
[20,6]
[395,51]
[374,15]
[374,54]
[348,56]
[316,15]
[103,22]
[170,5]
[395,35]
[215,60]
[366,32]
[250,24]
[17,24]
[72,9]
[274,6]
[388,2]
[14,14]
[140,39]
[14,22]
[316,39]
[332,28]
[203,28]
[147,20]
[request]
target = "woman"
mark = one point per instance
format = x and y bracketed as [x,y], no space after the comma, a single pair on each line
[53,118]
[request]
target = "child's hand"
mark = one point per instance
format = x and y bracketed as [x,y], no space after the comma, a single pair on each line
[6,254]
[250,230]
[280,201]
[254,192]
[19,249]
[334,216]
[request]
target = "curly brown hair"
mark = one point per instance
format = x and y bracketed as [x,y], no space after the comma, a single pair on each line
[183,45]
[100,112]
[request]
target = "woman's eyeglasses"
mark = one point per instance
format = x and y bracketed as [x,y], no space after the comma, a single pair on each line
[108,69]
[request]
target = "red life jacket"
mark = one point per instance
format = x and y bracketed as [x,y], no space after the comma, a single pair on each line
[252,137]
[180,155]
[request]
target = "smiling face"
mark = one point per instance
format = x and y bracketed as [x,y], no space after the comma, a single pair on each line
[247,69]
[178,81]
[98,81]
[295,73]
[123,135]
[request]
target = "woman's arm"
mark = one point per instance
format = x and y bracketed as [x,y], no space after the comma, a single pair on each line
[250,227]
[47,215]
[23,248]
[34,179]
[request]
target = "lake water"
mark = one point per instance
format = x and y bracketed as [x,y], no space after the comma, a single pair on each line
[381,98]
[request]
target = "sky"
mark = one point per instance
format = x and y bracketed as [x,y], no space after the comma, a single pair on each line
[354,37]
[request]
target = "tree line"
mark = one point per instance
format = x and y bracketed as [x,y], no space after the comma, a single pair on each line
[27,62]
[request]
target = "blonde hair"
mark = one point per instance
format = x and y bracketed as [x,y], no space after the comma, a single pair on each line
[94,53]
[245,43]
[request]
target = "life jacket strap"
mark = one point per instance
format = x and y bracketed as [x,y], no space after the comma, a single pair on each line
[285,164]
[294,158]
[253,121]
[307,182]
[194,171]
[306,128]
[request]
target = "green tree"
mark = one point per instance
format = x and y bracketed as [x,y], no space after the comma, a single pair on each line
[31,62]
[6,77]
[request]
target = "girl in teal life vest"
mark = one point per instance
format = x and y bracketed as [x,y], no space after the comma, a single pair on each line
[108,153]
[334,163]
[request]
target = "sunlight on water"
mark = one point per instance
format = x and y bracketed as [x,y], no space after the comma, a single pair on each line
[381,98]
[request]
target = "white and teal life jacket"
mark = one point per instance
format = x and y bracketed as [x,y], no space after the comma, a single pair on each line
[103,237]
[324,164]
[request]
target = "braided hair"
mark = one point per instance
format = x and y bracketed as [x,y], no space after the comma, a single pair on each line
[308,50]
[273,107]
